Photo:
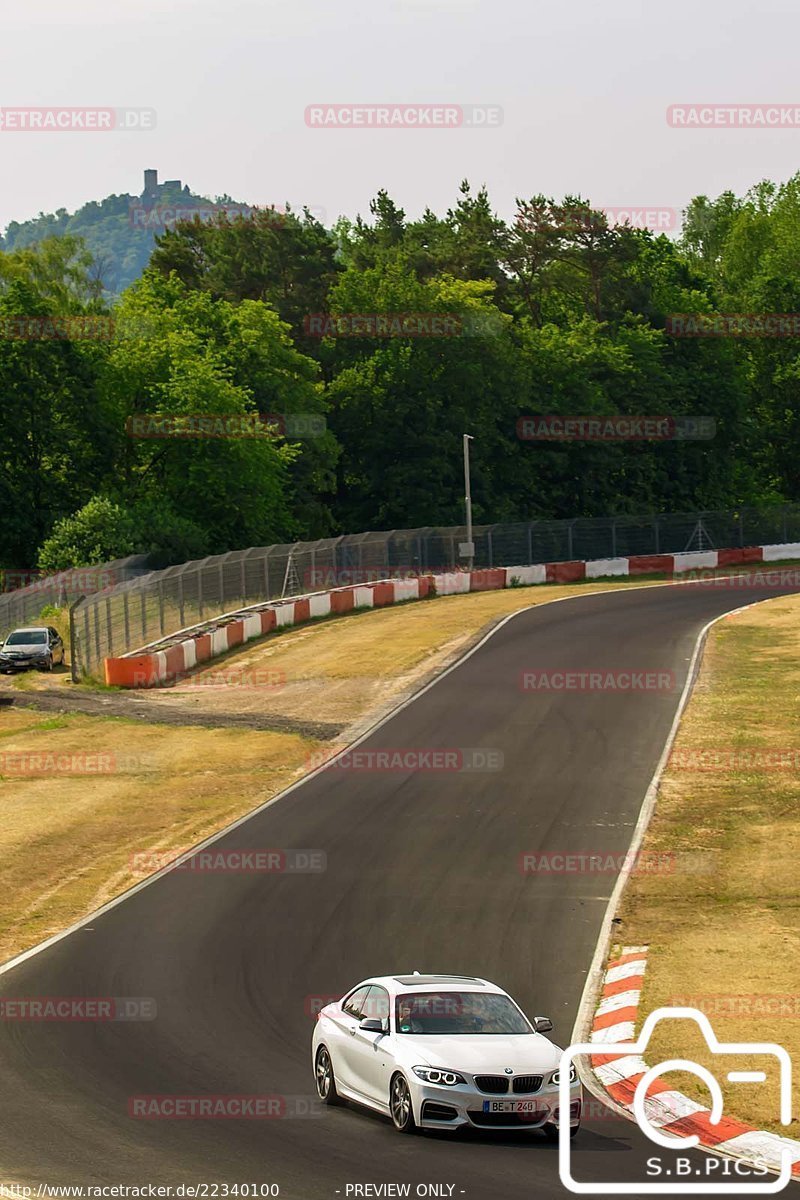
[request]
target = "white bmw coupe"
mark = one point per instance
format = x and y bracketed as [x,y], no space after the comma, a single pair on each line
[441,1052]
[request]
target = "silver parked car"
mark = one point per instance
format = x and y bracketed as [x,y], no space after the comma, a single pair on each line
[24,649]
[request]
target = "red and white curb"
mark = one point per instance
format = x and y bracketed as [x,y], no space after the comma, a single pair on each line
[152,666]
[666,1108]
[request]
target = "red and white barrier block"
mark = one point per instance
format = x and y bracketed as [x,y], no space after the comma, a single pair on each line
[155,666]
[667,1109]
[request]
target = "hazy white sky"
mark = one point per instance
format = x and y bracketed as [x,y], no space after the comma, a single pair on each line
[584,87]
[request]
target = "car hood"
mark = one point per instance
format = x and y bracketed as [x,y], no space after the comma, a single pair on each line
[483,1054]
[24,648]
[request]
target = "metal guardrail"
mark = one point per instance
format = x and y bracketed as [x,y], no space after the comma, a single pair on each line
[132,614]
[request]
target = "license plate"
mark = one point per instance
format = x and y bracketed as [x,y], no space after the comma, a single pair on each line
[509,1106]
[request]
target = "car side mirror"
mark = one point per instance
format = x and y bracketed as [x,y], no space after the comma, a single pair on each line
[542,1024]
[372,1025]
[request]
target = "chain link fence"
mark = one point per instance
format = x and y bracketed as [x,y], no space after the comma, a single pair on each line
[24,594]
[133,614]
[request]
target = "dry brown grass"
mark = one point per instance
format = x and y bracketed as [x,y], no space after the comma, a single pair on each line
[724,925]
[66,839]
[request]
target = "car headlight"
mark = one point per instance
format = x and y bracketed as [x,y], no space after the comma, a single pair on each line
[555,1078]
[437,1075]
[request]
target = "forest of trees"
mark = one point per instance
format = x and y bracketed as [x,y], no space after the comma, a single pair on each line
[555,312]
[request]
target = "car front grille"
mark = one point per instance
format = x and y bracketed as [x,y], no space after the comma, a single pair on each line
[497,1085]
[527,1083]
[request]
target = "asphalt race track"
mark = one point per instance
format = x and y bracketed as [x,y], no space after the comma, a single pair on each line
[422,873]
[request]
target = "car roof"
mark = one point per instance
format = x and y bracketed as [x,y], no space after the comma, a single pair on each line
[417,982]
[30,629]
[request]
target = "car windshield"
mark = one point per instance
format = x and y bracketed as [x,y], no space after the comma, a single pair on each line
[27,637]
[458,1012]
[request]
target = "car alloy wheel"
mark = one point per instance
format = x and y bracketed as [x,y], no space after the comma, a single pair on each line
[400,1105]
[323,1073]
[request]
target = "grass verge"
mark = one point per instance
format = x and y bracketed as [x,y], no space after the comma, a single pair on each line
[722,915]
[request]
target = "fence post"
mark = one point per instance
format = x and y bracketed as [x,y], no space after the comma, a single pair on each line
[569,541]
[109,627]
[182,615]
[489,549]
[266,576]
[86,635]
[73,642]
[127,619]
[200,591]
[530,543]
[161,606]
[244,582]
[784,535]
[656,535]
[613,538]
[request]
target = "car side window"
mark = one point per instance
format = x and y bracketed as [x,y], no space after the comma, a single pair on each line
[376,1007]
[54,635]
[354,1004]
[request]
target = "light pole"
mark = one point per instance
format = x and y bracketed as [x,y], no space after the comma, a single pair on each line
[468,548]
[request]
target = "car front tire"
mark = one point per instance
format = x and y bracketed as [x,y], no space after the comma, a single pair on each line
[48,664]
[400,1105]
[325,1078]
